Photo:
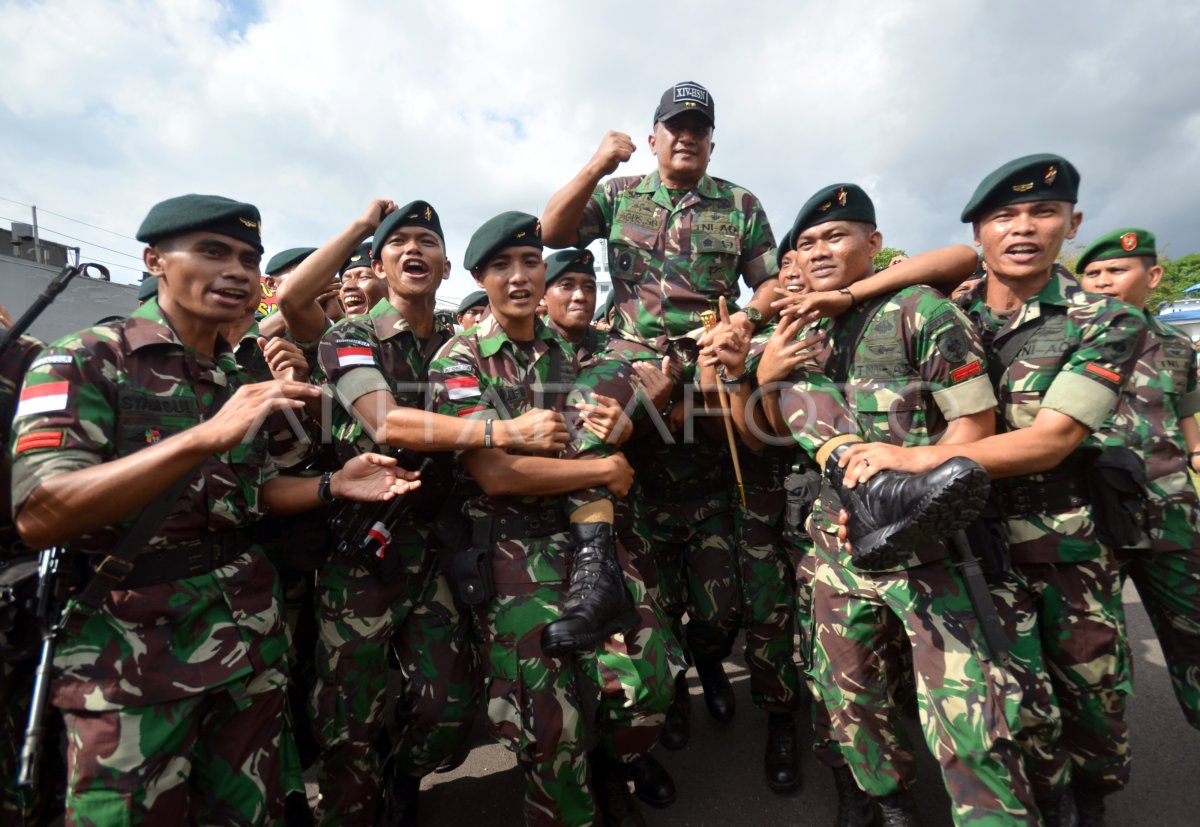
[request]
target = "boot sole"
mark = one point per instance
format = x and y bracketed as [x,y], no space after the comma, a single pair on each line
[940,514]
[557,645]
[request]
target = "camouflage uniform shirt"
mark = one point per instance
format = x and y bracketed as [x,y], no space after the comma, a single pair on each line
[1076,364]
[671,261]
[105,393]
[1161,391]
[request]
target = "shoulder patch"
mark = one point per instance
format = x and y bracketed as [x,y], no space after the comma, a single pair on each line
[953,345]
[44,398]
[39,439]
[457,368]
[57,359]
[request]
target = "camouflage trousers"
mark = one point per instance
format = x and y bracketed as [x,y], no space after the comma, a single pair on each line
[216,758]
[969,707]
[698,572]
[536,704]
[768,609]
[1169,585]
[359,618]
[1080,621]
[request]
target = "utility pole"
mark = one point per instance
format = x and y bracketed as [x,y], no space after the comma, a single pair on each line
[37,244]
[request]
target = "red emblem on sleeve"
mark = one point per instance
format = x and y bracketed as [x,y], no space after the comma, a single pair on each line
[966,371]
[1103,373]
[40,439]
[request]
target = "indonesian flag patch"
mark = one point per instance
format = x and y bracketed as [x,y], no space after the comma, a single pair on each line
[37,399]
[462,387]
[350,356]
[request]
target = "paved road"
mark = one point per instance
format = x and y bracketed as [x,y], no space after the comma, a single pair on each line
[719,775]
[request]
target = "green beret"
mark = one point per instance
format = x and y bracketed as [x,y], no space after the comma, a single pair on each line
[359,258]
[1041,177]
[570,260]
[477,299]
[288,258]
[786,245]
[1129,242]
[190,213]
[416,214]
[508,229]
[839,202]
[148,289]
[604,310]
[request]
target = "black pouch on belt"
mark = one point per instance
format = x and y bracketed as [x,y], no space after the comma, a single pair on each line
[1119,503]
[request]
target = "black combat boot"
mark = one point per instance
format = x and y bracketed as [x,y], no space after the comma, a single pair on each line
[781,763]
[676,732]
[597,604]
[610,784]
[1090,802]
[897,810]
[651,782]
[854,805]
[1058,810]
[718,692]
[894,512]
[400,794]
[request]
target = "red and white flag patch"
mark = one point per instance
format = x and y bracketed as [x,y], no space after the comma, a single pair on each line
[37,399]
[380,534]
[350,356]
[462,387]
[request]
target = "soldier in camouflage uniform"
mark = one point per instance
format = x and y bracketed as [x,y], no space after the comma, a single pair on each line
[17,647]
[1156,418]
[375,363]
[915,375]
[524,522]
[1059,359]
[677,241]
[173,688]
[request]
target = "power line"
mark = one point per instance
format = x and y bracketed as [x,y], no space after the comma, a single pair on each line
[68,218]
[89,243]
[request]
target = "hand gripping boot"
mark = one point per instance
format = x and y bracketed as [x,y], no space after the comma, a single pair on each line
[894,513]
[597,604]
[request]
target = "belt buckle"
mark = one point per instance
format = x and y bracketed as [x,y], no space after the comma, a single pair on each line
[116,569]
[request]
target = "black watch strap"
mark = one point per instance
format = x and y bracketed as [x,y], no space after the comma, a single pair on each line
[325,488]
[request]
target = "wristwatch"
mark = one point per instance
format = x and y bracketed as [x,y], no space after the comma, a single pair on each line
[727,380]
[325,488]
[755,317]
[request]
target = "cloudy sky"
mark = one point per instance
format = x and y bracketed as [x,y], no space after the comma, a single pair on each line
[309,109]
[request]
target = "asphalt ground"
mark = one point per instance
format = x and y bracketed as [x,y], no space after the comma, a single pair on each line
[719,774]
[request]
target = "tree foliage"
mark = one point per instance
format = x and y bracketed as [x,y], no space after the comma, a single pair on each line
[1178,275]
[884,257]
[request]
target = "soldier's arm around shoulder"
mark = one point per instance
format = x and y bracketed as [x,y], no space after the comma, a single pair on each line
[67,479]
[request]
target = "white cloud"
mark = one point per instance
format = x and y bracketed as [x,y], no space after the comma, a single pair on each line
[311,108]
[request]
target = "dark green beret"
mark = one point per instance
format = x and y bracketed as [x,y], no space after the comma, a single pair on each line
[477,299]
[288,258]
[839,202]
[416,214]
[190,213]
[786,245]
[148,289]
[570,260]
[359,258]
[508,229]
[606,309]
[1043,177]
[1129,242]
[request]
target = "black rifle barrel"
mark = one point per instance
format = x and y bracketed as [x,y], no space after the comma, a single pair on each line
[57,285]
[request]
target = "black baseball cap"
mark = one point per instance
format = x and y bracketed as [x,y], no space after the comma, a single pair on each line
[685,96]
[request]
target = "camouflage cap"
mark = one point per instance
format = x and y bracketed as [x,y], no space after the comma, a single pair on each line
[359,258]
[288,258]
[189,213]
[838,202]
[508,229]
[1129,242]
[1042,177]
[685,96]
[148,289]
[415,214]
[477,299]
[570,260]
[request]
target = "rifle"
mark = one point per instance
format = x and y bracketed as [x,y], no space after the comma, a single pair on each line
[964,559]
[51,623]
[57,285]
